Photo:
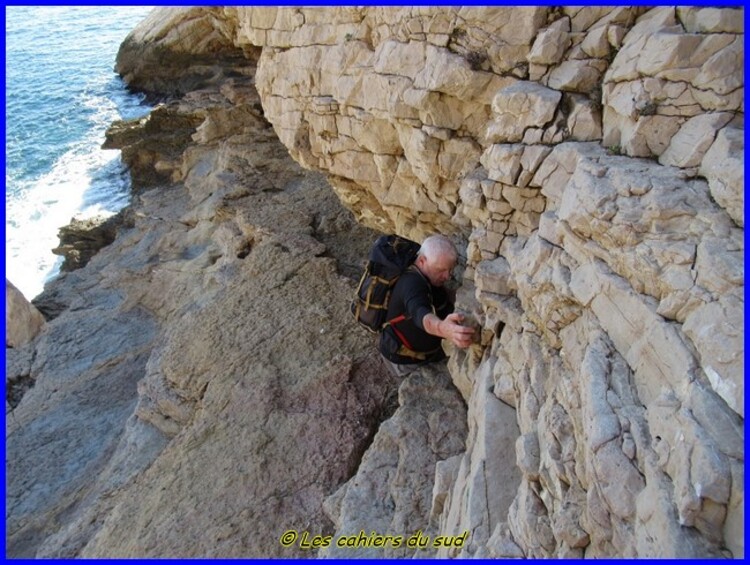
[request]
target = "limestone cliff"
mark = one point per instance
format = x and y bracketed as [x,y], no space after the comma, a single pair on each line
[589,164]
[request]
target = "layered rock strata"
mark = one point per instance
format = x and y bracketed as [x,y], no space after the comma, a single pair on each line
[589,164]
[590,161]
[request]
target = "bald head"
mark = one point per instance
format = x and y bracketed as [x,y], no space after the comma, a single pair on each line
[436,259]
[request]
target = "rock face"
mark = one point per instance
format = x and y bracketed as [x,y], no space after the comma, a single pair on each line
[392,488]
[589,164]
[618,281]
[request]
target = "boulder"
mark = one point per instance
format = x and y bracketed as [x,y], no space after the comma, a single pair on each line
[84,237]
[23,321]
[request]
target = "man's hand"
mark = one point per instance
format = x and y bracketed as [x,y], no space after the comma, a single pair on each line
[450,329]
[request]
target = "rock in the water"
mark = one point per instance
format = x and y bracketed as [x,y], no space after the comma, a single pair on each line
[81,239]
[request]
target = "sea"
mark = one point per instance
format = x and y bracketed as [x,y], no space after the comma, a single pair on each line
[61,94]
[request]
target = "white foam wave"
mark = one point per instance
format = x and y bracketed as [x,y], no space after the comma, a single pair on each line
[85,180]
[36,213]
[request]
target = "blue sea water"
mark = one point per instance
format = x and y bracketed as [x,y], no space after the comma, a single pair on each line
[61,94]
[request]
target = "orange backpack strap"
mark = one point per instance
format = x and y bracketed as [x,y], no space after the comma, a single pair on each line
[401,337]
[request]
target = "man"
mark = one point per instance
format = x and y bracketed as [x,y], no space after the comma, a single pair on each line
[420,312]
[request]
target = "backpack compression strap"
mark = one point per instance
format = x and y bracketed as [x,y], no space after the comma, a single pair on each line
[406,349]
[401,337]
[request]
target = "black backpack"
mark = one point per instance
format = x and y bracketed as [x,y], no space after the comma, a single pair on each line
[389,257]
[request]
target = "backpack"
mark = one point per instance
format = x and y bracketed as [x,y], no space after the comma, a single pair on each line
[389,257]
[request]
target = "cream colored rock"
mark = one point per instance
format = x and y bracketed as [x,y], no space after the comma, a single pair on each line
[706,67]
[472,201]
[719,72]
[582,19]
[648,24]
[404,59]
[669,53]
[503,162]
[635,134]
[689,145]
[544,290]
[479,500]
[446,472]
[530,524]
[596,44]
[501,544]
[550,44]
[23,321]
[591,18]
[724,167]
[606,183]
[722,274]
[615,36]
[492,276]
[711,20]
[722,360]
[656,510]
[457,158]
[421,152]
[515,26]
[555,171]
[576,76]
[701,474]
[718,260]
[619,480]
[585,119]
[527,455]
[518,107]
[187,31]
[451,74]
